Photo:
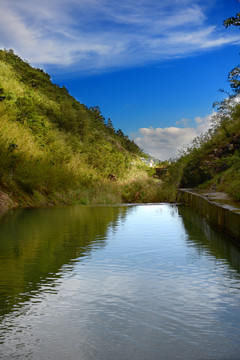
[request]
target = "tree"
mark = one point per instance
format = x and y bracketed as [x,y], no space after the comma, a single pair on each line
[232,21]
[234,74]
[234,79]
[120,133]
[98,119]
[110,126]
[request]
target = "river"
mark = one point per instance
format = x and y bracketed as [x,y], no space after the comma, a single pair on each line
[144,282]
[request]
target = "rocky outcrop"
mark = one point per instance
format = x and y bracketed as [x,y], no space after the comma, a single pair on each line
[228,149]
[6,202]
[205,167]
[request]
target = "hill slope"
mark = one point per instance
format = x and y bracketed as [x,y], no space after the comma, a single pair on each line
[54,149]
[213,161]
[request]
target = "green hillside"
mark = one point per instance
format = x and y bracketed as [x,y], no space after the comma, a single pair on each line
[213,160]
[55,150]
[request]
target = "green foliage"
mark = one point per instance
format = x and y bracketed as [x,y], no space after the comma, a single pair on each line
[234,20]
[28,115]
[2,93]
[142,190]
[234,79]
[234,75]
[128,144]
[28,75]
[110,127]
[52,144]
[213,160]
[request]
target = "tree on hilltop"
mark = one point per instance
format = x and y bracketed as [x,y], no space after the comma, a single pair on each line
[234,74]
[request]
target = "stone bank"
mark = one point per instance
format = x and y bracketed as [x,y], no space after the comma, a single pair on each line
[218,209]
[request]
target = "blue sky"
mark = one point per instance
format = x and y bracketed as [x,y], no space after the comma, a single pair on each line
[154,67]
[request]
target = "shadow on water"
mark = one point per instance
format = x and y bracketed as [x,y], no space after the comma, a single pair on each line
[206,238]
[37,244]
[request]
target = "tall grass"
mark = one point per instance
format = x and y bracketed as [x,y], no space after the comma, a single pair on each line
[55,150]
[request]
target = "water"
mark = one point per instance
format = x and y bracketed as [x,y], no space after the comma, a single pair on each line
[130,282]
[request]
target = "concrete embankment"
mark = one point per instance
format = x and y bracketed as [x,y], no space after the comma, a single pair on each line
[218,209]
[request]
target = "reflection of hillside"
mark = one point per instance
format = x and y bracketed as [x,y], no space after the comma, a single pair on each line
[211,240]
[35,244]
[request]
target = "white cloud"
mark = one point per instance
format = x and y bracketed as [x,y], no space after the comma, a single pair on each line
[164,143]
[183,122]
[204,123]
[93,35]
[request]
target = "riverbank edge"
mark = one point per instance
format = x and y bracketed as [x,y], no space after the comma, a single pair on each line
[217,208]
[138,188]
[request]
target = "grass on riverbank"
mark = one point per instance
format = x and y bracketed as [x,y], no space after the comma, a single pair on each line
[137,188]
[55,150]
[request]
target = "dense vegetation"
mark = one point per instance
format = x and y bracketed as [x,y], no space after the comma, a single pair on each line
[54,149]
[213,160]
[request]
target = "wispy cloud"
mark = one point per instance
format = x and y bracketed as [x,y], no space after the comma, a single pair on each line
[98,35]
[165,143]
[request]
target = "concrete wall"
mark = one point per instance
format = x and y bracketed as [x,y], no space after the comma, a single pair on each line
[222,215]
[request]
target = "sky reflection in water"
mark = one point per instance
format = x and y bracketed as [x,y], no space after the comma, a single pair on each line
[139,282]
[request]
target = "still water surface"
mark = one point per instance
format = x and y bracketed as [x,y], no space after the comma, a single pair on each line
[151,282]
